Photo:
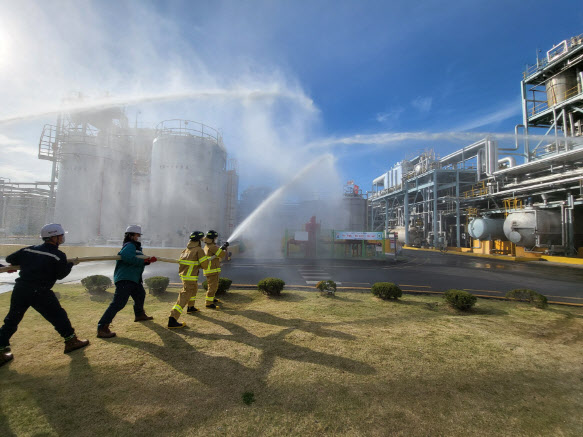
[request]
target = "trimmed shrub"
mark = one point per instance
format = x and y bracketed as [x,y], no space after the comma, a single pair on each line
[96,283]
[271,286]
[530,296]
[460,299]
[224,285]
[157,284]
[327,287]
[386,290]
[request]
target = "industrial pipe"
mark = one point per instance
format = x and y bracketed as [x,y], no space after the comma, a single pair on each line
[509,159]
[516,146]
[98,258]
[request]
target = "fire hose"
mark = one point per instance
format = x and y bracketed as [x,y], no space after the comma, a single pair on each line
[96,258]
[102,258]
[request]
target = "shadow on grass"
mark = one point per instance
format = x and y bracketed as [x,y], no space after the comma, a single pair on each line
[476,311]
[432,306]
[286,297]
[235,298]
[317,328]
[275,346]
[5,430]
[73,405]
[341,298]
[167,296]
[101,297]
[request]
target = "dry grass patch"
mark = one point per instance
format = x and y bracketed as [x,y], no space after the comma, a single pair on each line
[348,365]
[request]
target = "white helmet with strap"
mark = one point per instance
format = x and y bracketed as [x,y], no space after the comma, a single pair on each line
[134,229]
[51,230]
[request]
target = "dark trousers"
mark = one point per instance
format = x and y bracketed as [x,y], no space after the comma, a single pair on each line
[42,300]
[123,291]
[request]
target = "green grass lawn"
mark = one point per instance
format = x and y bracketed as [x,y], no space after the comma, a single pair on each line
[302,364]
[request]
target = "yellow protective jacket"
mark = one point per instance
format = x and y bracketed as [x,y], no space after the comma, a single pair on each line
[191,259]
[215,254]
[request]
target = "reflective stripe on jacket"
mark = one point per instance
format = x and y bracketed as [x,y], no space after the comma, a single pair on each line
[191,259]
[215,254]
[40,266]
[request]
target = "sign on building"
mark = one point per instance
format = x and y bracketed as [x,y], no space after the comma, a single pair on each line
[342,235]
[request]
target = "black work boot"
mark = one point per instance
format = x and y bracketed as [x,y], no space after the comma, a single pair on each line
[174,324]
[104,332]
[74,344]
[212,306]
[5,356]
[216,301]
[143,317]
[191,310]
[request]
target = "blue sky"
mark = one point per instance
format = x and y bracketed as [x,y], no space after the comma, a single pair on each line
[283,80]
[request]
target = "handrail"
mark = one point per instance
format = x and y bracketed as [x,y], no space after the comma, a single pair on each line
[542,63]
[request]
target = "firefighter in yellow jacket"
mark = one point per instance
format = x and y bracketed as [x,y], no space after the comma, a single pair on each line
[191,260]
[215,254]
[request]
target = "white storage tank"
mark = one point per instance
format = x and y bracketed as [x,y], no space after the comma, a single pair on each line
[188,182]
[533,227]
[94,185]
[485,228]
[561,87]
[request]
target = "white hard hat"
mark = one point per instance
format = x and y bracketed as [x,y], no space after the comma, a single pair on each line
[134,229]
[51,230]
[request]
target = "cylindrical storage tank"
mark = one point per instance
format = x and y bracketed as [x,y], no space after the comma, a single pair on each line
[356,208]
[80,174]
[533,227]
[483,228]
[115,194]
[94,187]
[561,87]
[187,183]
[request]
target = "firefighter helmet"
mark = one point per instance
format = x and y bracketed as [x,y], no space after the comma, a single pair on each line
[51,230]
[196,236]
[211,235]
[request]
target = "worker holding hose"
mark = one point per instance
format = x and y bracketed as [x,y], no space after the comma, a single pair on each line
[127,277]
[40,267]
[191,260]
[215,254]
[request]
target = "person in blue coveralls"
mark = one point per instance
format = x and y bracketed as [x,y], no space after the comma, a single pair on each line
[40,267]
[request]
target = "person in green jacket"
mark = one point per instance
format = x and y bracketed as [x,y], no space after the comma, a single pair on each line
[128,282]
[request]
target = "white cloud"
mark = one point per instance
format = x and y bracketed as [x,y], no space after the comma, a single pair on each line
[17,175]
[422,104]
[389,116]
[15,146]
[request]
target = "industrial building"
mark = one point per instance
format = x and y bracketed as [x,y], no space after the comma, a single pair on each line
[523,199]
[171,179]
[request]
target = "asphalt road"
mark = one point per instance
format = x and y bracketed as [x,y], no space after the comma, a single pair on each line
[419,271]
[422,271]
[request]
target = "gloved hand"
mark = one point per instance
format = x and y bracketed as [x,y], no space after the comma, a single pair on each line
[11,271]
[75,261]
[151,260]
[225,245]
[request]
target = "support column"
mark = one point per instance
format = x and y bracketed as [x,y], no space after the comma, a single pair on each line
[525,122]
[435,217]
[457,208]
[386,215]
[406,212]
